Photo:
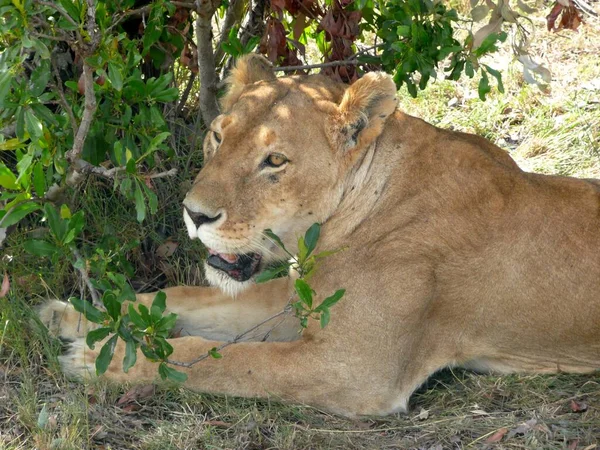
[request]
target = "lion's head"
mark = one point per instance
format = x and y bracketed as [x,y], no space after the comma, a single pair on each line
[278,157]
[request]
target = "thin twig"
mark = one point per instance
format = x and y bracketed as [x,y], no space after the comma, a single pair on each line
[235,340]
[350,62]
[168,173]
[186,94]
[60,10]
[52,38]
[62,99]
[81,267]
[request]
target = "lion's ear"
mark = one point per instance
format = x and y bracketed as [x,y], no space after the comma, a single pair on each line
[248,69]
[364,109]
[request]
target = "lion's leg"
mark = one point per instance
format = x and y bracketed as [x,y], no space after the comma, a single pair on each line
[202,311]
[208,312]
[302,371]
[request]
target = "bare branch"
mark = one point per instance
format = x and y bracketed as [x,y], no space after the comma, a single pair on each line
[81,267]
[91,25]
[206,62]
[168,173]
[350,62]
[52,38]
[74,155]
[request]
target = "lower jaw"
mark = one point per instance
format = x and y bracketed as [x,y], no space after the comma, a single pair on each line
[224,282]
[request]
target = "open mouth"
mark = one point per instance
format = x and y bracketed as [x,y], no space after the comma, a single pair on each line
[238,267]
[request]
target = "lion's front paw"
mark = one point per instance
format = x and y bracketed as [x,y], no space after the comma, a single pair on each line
[78,361]
[63,321]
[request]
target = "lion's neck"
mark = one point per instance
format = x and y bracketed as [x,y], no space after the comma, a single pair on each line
[362,192]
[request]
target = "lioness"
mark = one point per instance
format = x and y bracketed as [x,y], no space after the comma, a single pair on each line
[454,256]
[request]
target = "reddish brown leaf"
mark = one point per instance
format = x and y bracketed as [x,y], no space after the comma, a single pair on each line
[5,286]
[497,436]
[554,13]
[573,444]
[167,249]
[137,394]
[277,5]
[578,407]
[299,25]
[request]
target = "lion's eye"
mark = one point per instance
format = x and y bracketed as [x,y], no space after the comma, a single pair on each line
[275,160]
[217,137]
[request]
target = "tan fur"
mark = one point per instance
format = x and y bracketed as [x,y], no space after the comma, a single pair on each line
[454,255]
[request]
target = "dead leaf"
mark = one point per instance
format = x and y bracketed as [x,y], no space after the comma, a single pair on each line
[167,249]
[524,428]
[578,407]
[5,286]
[423,414]
[573,444]
[497,436]
[493,27]
[138,394]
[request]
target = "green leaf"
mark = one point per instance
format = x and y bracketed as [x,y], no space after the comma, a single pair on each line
[325,317]
[484,85]
[57,225]
[20,129]
[167,372]
[136,318]
[18,213]
[115,77]
[274,238]
[167,323]
[130,166]
[214,353]
[71,9]
[96,335]
[39,179]
[154,144]
[130,355]
[145,314]
[33,125]
[302,250]
[39,247]
[39,78]
[91,313]
[113,307]
[5,83]
[331,300]
[304,292]
[269,274]
[106,354]
[160,301]
[311,237]
[496,74]
[8,179]
[76,222]
[140,205]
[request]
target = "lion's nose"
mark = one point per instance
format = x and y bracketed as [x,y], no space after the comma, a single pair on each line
[199,218]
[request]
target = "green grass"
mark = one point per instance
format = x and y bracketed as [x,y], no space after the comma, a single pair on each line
[555,132]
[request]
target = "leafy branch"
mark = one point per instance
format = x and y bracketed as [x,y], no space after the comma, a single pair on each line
[148,329]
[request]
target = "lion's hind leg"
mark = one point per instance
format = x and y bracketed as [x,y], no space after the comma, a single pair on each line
[63,321]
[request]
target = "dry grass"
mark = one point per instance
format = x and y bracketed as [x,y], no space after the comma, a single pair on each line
[557,132]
